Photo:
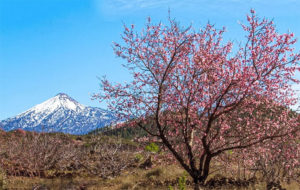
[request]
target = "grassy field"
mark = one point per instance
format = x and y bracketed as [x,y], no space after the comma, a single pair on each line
[159,178]
[67,162]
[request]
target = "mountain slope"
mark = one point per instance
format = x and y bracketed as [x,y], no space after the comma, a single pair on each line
[60,114]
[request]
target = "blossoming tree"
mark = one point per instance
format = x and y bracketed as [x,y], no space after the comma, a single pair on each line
[198,96]
[277,160]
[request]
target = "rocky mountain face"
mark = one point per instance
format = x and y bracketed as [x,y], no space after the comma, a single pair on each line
[60,114]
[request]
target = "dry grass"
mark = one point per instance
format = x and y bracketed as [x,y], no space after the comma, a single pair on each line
[158,178]
[132,179]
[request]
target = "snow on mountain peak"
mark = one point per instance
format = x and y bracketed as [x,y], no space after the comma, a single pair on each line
[61,114]
[61,100]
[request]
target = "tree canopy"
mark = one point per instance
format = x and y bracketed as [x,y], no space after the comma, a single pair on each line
[192,91]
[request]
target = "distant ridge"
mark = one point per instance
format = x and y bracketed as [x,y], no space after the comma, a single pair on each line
[60,114]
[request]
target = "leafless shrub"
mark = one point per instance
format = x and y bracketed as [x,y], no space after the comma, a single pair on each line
[51,155]
[107,156]
[31,154]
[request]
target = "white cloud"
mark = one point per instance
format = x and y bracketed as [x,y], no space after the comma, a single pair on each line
[120,7]
[135,4]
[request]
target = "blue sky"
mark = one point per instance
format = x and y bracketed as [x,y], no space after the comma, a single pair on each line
[52,46]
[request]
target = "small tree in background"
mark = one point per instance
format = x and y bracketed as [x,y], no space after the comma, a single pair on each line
[201,99]
[277,160]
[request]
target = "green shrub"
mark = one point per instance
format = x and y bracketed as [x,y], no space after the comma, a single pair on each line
[182,182]
[152,147]
[138,157]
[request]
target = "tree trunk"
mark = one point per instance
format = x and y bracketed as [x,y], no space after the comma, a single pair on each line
[196,184]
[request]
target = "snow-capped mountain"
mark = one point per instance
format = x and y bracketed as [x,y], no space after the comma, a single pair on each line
[60,114]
